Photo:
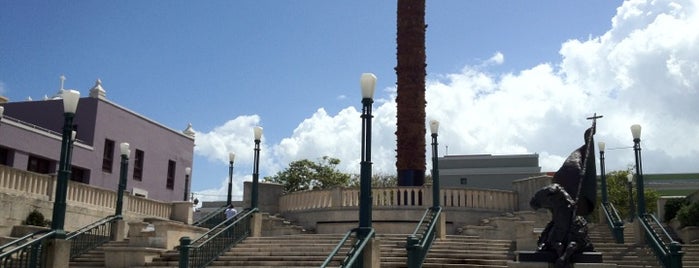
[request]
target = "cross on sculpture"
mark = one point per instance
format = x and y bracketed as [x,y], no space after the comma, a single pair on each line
[594,118]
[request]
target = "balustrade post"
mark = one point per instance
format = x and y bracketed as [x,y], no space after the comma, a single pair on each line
[676,253]
[335,197]
[413,252]
[184,251]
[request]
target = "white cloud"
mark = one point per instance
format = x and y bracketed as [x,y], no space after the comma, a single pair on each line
[644,70]
[234,136]
[497,59]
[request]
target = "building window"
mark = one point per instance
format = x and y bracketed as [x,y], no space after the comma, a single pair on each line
[5,158]
[108,157]
[464,181]
[39,165]
[138,165]
[80,175]
[170,184]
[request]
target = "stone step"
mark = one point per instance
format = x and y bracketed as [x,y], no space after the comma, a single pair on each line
[628,254]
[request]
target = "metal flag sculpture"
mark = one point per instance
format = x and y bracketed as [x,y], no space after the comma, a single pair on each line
[572,195]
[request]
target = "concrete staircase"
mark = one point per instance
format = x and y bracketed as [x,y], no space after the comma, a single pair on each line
[691,256]
[627,255]
[310,250]
[284,245]
[454,251]
[95,258]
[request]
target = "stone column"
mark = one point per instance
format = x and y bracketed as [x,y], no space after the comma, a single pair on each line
[372,253]
[256,225]
[57,253]
[118,232]
[182,211]
[442,226]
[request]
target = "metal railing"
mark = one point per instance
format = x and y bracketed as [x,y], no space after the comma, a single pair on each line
[615,223]
[420,242]
[91,236]
[212,219]
[666,249]
[205,249]
[28,250]
[356,247]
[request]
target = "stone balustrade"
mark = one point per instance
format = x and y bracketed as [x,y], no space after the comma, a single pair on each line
[153,208]
[39,192]
[90,195]
[25,182]
[419,197]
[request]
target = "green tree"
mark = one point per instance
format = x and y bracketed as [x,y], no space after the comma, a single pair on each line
[305,174]
[377,180]
[618,193]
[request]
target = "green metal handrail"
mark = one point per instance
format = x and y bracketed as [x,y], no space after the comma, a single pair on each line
[666,249]
[21,240]
[91,236]
[28,254]
[614,221]
[420,242]
[363,235]
[209,246]
[212,219]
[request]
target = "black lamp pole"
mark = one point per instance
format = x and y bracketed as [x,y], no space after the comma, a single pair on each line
[434,127]
[632,207]
[2,112]
[605,198]
[122,177]
[636,132]
[70,104]
[231,157]
[256,168]
[368,82]
[187,173]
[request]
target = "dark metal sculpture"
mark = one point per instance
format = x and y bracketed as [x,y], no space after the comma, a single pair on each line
[572,195]
[566,233]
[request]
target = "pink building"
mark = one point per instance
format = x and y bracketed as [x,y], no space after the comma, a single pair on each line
[30,139]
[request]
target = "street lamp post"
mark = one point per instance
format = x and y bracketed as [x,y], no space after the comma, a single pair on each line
[629,179]
[256,168]
[70,105]
[434,128]
[69,155]
[231,157]
[636,132]
[187,173]
[603,176]
[125,152]
[368,83]
[2,112]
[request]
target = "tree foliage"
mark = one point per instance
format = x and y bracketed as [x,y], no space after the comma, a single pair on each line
[689,215]
[379,180]
[305,174]
[618,193]
[672,206]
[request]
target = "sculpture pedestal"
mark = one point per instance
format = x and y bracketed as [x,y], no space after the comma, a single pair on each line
[546,259]
[548,256]
[513,264]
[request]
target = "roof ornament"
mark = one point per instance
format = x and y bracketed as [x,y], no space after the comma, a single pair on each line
[59,94]
[189,131]
[63,80]
[97,91]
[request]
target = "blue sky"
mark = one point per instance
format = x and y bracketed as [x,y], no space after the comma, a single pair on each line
[503,76]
